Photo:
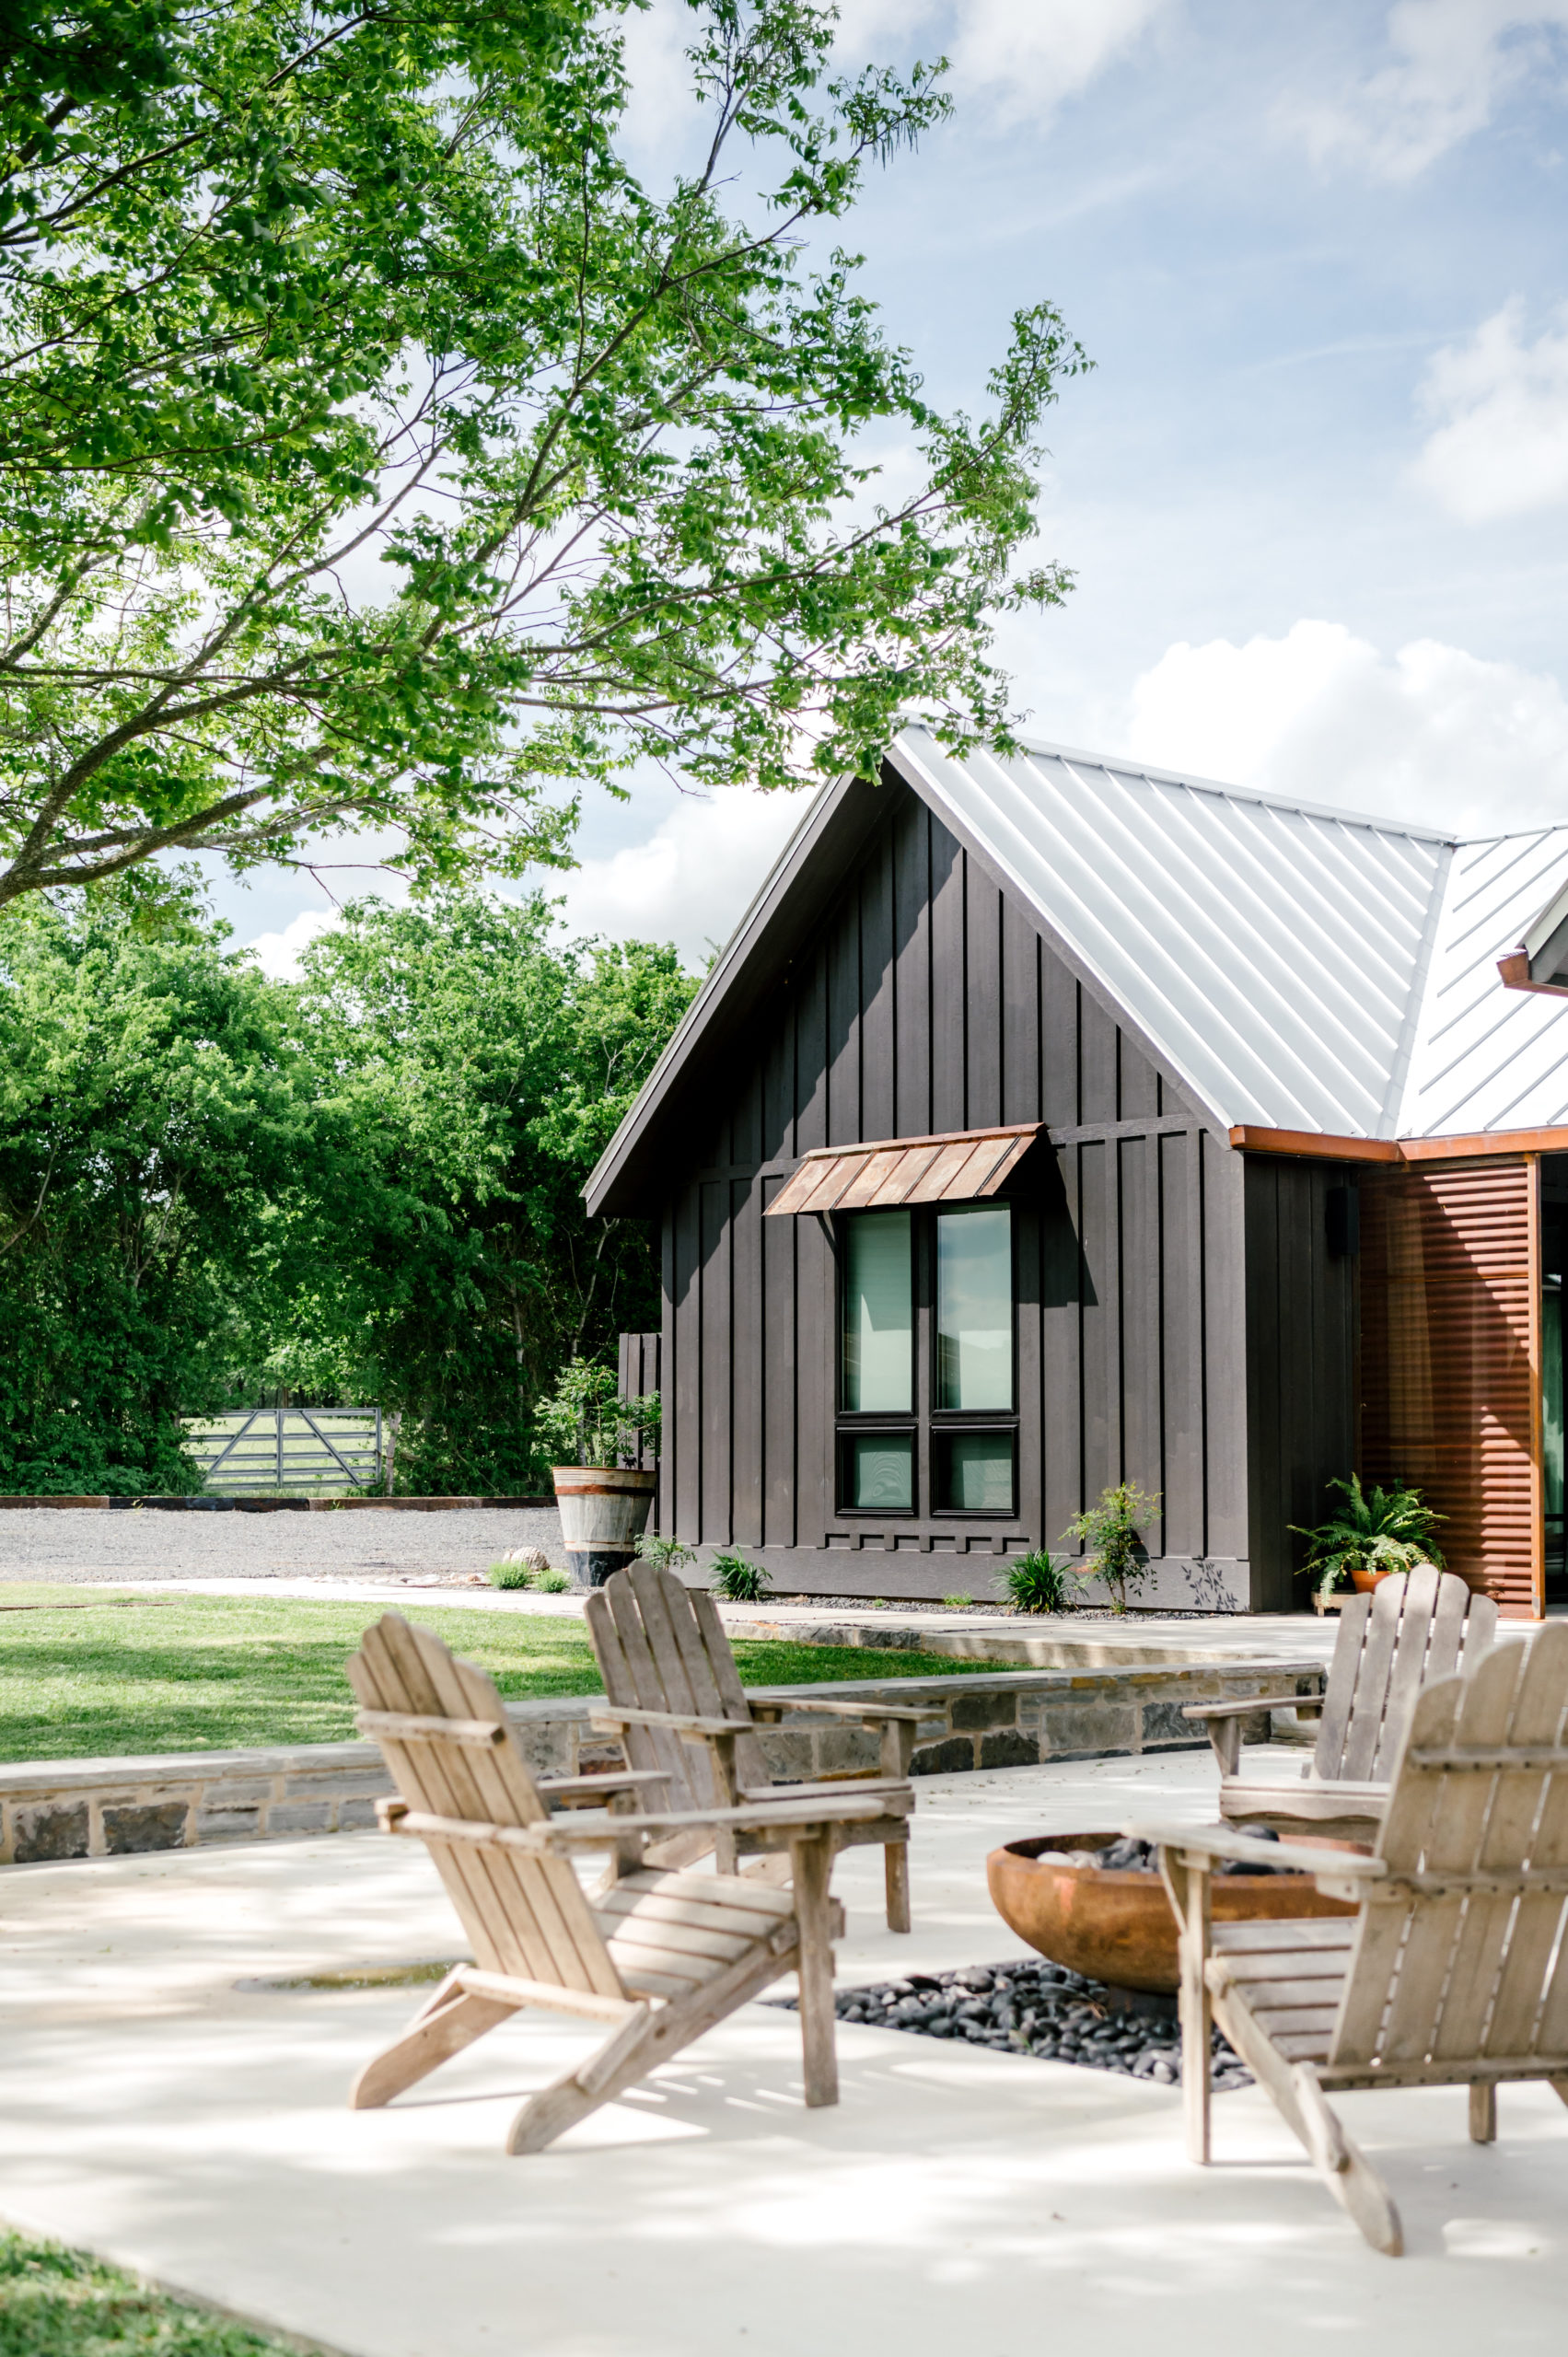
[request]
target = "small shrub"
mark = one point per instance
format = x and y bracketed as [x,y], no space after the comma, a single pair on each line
[586,1422]
[957,1603]
[739,1582]
[1039,1581]
[509,1573]
[519,1568]
[1108,1531]
[552,1581]
[664,1554]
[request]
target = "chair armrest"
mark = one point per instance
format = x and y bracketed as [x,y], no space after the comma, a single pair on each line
[613,1779]
[558,1834]
[1198,1844]
[1247,1705]
[869,1714]
[621,1715]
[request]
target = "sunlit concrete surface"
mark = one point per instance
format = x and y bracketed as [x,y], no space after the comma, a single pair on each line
[954,2204]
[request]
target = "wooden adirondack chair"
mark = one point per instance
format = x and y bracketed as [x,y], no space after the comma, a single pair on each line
[1414,1627]
[674,1696]
[1455,1971]
[659,1957]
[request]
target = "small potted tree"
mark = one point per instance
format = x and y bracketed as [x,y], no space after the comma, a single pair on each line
[603,1493]
[1373,1534]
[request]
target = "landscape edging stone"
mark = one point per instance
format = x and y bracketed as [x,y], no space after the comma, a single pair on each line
[52,1811]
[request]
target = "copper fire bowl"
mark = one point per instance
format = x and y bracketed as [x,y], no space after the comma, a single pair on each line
[1118,1926]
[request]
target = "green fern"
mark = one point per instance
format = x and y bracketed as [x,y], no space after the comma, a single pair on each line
[1386,1530]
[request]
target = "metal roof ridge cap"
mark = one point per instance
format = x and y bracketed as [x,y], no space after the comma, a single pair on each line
[1137,768]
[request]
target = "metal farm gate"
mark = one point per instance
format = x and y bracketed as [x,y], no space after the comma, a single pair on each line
[314,1449]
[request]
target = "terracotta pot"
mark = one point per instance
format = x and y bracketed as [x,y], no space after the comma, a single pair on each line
[1118,1926]
[603,1510]
[1364,1581]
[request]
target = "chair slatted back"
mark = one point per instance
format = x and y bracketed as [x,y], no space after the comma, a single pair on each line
[1460,1974]
[527,1917]
[1413,1628]
[662,1646]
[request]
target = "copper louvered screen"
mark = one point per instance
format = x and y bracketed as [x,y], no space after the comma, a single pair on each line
[952,1169]
[1448,1357]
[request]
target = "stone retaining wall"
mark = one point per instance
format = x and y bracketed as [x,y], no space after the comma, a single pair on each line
[51,1810]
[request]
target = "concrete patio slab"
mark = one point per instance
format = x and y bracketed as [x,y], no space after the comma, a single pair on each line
[956,2204]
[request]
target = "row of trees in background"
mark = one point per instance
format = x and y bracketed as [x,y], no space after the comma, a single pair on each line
[362,1186]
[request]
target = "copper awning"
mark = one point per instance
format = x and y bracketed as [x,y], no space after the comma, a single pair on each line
[956,1168]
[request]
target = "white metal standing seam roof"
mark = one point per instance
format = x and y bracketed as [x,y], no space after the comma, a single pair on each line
[1299,967]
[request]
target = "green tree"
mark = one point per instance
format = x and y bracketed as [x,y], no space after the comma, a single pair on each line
[367,1186]
[152,1109]
[375,449]
[474,1068]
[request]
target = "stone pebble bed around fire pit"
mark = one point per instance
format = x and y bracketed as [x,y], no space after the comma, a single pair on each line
[1037,2009]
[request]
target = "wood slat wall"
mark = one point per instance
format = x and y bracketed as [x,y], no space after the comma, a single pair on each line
[1449,1358]
[927,1002]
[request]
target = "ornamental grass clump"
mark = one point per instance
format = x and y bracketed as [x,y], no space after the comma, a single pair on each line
[664,1554]
[1039,1581]
[1381,1530]
[739,1582]
[1109,1533]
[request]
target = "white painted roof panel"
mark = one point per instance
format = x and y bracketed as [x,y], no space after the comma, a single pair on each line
[1489,1058]
[1272,953]
[1300,968]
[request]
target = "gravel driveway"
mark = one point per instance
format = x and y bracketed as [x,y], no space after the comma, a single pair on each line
[110,1543]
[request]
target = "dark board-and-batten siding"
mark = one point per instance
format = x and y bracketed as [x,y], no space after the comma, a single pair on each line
[927,1001]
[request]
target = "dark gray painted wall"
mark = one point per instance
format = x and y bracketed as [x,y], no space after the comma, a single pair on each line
[1301,1340]
[928,1002]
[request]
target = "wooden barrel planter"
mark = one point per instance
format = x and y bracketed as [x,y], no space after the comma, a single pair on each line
[604,1510]
[1118,1926]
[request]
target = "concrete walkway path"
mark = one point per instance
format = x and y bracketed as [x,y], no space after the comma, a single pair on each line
[956,2204]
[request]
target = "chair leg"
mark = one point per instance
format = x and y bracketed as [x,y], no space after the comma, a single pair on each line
[645,2039]
[434,2036]
[1305,2110]
[1484,2111]
[1189,1894]
[1559,2088]
[813,1913]
[896,1873]
[623,2060]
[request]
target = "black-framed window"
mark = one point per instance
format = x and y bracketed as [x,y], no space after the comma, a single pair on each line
[927,1378]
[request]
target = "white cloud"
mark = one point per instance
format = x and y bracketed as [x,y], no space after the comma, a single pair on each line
[1433,735]
[692,880]
[1023,56]
[1452,63]
[278,954]
[1503,446]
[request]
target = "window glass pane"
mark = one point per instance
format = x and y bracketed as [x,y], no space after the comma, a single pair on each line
[974,1473]
[879,1357]
[974,1308]
[879,1470]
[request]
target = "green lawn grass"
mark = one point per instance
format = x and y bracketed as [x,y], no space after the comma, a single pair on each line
[193,1673]
[57,2302]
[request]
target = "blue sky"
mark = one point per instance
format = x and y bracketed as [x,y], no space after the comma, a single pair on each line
[1315,490]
